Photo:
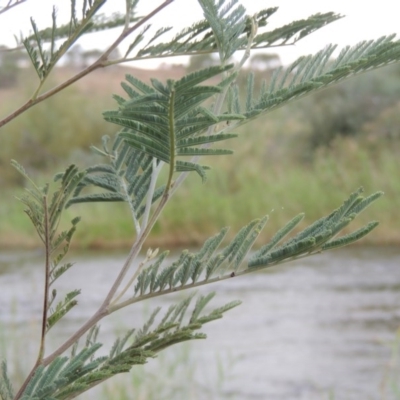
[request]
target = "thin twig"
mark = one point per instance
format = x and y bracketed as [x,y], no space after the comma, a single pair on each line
[46,279]
[185,53]
[154,175]
[134,276]
[9,6]
[96,317]
[146,228]
[103,62]
[138,299]
[130,203]
[135,250]
[127,14]
[253,32]
[45,300]
[127,32]
[100,63]
[104,309]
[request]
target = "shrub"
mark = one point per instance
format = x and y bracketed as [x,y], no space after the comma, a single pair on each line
[165,130]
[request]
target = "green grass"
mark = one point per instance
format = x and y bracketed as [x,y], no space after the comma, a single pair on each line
[238,190]
[248,185]
[271,172]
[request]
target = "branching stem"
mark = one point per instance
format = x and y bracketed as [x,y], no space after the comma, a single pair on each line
[131,208]
[46,279]
[135,250]
[153,181]
[100,63]
[253,32]
[146,227]
[39,360]
[187,54]
[127,286]
[171,116]
[134,300]
[9,6]
[105,308]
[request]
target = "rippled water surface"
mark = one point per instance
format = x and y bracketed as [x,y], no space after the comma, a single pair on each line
[317,326]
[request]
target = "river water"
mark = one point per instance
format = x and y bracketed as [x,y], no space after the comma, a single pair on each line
[315,329]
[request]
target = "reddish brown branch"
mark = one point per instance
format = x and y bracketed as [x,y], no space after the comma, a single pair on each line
[100,63]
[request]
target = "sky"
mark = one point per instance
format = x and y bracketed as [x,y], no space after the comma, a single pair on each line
[363,20]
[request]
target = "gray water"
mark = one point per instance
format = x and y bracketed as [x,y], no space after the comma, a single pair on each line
[323,325]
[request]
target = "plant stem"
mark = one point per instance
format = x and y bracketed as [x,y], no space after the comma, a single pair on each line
[96,317]
[9,6]
[39,360]
[187,54]
[130,301]
[171,115]
[104,309]
[137,246]
[100,63]
[46,280]
[130,203]
[47,360]
[127,286]
[146,227]
[154,175]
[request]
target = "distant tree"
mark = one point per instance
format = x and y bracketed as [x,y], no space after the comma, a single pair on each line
[75,58]
[201,61]
[343,110]
[264,61]
[90,56]
[10,63]
[385,126]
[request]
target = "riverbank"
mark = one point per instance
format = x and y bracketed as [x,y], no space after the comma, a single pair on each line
[233,196]
[305,157]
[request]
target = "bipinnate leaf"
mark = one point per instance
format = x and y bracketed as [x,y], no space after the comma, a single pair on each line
[67,377]
[351,237]
[310,73]
[126,178]
[168,121]
[280,234]
[45,208]
[62,308]
[228,22]
[225,20]
[211,264]
[43,46]
[319,236]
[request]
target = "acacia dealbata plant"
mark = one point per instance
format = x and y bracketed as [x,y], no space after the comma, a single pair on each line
[167,127]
